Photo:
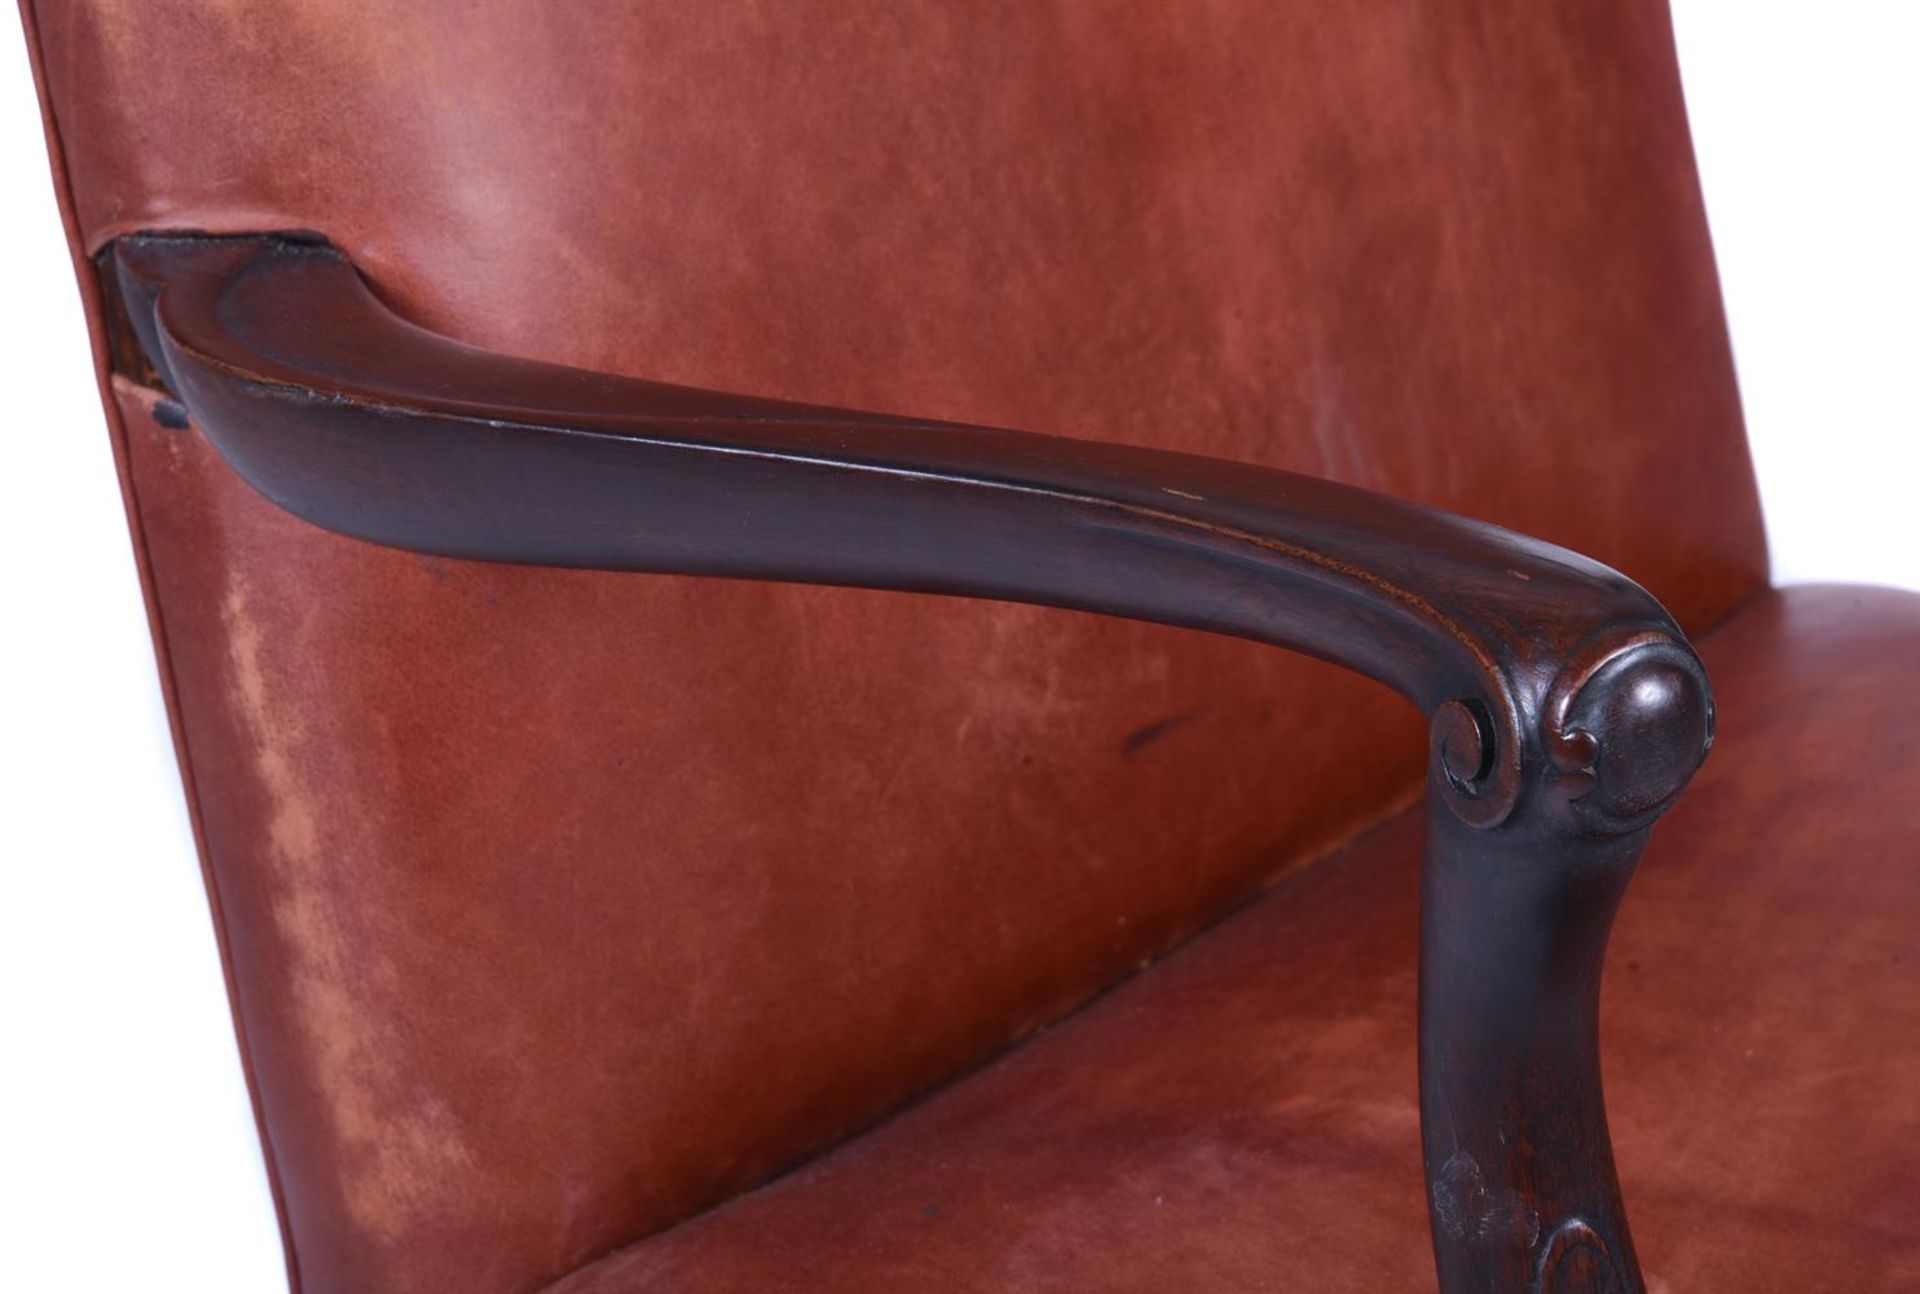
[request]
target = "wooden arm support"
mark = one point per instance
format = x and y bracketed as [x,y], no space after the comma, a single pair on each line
[1567,710]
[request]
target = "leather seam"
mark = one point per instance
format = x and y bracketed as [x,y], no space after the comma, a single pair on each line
[91,305]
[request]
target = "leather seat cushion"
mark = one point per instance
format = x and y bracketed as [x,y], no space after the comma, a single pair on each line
[1243,1116]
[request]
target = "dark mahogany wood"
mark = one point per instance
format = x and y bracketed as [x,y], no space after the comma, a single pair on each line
[1567,709]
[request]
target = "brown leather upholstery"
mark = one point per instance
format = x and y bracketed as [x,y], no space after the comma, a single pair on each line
[1242,1118]
[558,906]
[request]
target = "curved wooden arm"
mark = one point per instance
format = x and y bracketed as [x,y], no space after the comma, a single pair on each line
[1567,709]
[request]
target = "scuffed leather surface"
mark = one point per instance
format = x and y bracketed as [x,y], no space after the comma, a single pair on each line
[1242,1117]
[547,929]
[559,905]
[1454,253]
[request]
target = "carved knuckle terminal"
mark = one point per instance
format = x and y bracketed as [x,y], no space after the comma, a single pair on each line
[1626,726]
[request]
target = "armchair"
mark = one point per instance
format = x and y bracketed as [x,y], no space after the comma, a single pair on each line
[528,1004]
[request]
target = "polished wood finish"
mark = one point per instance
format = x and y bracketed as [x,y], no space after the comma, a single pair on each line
[1567,710]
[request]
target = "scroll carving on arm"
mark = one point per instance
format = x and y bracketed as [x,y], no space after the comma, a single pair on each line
[1567,710]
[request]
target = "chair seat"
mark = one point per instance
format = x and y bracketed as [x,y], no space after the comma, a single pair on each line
[1242,1116]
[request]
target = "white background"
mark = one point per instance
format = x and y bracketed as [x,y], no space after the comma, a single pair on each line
[127,1151]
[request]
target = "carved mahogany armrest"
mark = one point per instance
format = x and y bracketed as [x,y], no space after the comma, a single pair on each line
[1567,709]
